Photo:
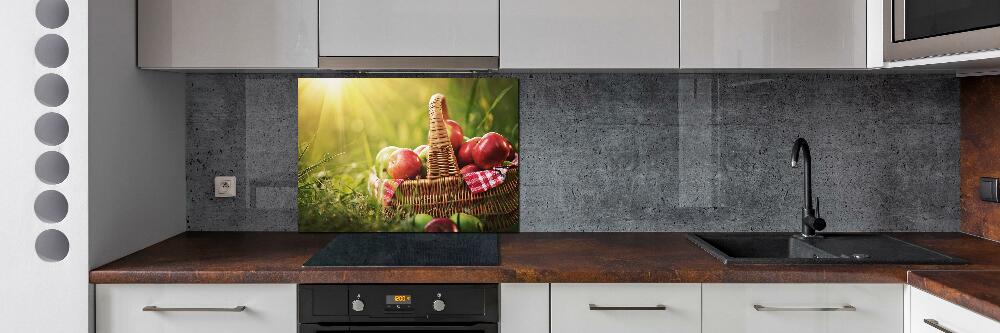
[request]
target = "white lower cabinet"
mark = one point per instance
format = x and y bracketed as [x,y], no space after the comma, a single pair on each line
[930,314]
[569,307]
[524,307]
[625,307]
[816,308]
[196,308]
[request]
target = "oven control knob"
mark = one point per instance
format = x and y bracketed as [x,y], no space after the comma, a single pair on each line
[438,305]
[358,305]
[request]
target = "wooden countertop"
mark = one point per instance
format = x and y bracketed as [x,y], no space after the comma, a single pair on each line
[277,257]
[978,291]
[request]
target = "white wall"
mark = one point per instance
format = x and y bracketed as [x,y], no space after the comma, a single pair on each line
[126,136]
[38,295]
[137,187]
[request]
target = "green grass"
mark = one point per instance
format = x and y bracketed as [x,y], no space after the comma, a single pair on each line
[344,123]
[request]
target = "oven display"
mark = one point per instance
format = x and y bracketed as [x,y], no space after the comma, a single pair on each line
[398,302]
[398,299]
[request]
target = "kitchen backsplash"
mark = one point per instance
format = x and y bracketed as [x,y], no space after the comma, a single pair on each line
[639,152]
[981,144]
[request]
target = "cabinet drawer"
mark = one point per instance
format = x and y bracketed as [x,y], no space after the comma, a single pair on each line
[802,308]
[620,307]
[525,308]
[946,315]
[269,308]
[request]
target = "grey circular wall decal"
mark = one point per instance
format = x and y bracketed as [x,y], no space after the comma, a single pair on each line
[52,13]
[51,90]
[51,50]
[51,129]
[52,245]
[51,206]
[52,167]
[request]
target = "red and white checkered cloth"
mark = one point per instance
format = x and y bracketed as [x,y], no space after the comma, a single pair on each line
[478,182]
[481,181]
[386,188]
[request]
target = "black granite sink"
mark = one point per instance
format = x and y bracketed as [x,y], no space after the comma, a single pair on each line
[836,248]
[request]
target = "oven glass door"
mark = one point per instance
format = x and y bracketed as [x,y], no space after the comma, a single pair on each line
[916,19]
[475,328]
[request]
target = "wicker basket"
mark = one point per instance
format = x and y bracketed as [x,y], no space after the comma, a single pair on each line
[444,192]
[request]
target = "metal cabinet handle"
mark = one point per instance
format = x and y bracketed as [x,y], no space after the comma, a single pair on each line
[159,309]
[848,307]
[594,307]
[935,324]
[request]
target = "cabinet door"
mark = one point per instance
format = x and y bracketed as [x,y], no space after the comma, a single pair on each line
[227,33]
[626,307]
[189,308]
[585,34]
[773,34]
[929,314]
[816,308]
[524,308]
[407,28]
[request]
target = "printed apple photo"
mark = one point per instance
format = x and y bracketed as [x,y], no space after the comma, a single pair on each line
[408,155]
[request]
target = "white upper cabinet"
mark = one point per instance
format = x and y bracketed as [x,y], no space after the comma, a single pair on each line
[589,34]
[227,33]
[775,34]
[408,28]
[514,34]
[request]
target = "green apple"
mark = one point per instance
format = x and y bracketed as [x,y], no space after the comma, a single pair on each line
[422,152]
[420,221]
[382,160]
[467,223]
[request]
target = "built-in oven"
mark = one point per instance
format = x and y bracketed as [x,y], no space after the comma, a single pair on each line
[386,308]
[916,29]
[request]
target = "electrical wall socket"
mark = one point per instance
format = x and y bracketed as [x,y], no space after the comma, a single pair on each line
[225,187]
[988,189]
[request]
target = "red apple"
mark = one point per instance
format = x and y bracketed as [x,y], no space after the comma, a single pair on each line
[491,151]
[469,168]
[512,153]
[441,224]
[404,164]
[465,153]
[455,134]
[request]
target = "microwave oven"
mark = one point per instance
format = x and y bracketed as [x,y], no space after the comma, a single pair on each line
[915,29]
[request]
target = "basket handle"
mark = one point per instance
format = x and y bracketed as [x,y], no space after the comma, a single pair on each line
[441,160]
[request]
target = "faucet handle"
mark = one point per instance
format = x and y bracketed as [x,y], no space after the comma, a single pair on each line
[817,206]
[818,224]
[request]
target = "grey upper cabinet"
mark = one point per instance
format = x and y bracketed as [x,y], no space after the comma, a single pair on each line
[409,34]
[194,34]
[774,34]
[508,34]
[589,34]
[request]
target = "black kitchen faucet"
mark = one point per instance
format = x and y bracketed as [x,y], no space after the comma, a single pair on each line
[810,221]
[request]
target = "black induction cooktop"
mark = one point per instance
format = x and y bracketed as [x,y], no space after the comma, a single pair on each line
[409,249]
